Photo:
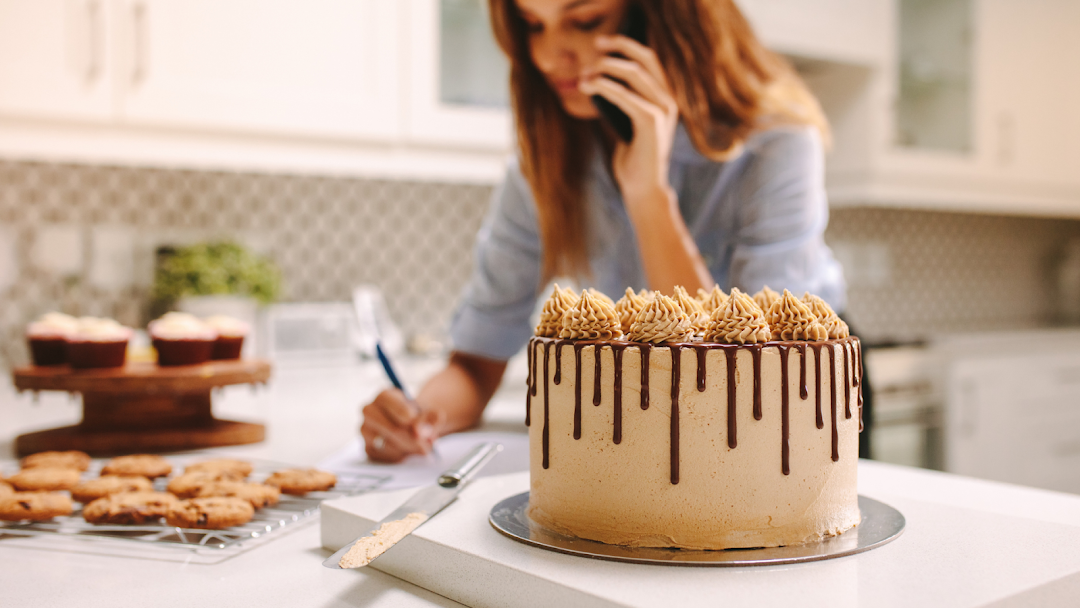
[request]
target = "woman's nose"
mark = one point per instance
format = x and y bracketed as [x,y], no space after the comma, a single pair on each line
[550,53]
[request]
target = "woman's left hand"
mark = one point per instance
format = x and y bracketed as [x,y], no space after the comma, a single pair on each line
[641,166]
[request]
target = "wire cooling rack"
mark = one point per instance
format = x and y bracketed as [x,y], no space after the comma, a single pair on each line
[206,546]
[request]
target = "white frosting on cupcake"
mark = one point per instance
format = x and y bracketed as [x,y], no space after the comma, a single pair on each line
[52,325]
[93,329]
[228,327]
[181,326]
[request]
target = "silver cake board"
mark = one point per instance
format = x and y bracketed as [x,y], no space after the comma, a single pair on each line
[880,524]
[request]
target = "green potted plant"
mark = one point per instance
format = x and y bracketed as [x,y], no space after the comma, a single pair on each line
[213,278]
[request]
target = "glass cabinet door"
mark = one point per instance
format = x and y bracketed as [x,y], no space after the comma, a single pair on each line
[472,69]
[935,101]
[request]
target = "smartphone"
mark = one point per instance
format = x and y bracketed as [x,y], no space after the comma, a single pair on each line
[633,26]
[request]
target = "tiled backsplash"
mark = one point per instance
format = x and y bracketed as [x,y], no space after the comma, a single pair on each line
[81,239]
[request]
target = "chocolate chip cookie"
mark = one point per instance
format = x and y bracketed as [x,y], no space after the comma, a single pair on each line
[74,459]
[257,494]
[141,465]
[239,467]
[129,508]
[302,481]
[35,506]
[210,513]
[188,484]
[89,491]
[42,479]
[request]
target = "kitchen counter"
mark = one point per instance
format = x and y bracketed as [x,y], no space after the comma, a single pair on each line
[312,411]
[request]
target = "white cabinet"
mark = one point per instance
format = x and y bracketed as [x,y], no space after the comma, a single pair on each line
[973,111]
[844,31]
[304,67]
[1013,410]
[55,59]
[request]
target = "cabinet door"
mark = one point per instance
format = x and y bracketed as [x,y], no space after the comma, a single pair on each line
[54,59]
[1029,59]
[326,68]
[847,31]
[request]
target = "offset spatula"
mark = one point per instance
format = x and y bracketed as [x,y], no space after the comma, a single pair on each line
[422,506]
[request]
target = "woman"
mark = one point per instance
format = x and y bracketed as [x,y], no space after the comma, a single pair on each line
[721,183]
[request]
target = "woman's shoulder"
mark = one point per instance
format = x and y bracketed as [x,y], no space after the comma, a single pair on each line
[777,142]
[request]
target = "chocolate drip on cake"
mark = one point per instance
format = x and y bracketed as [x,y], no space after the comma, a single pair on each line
[755,352]
[832,397]
[547,394]
[558,360]
[646,352]
[731,354]
[617,351]
[785,447]
[701,351]
[530,383]
[817,385]
[676,377]
[577,389]
[596,375]
[857,353]
[803,394]
[847,384]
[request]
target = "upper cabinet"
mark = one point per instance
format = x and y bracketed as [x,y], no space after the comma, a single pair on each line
[841,31]
[973,111]
[56,59]
[324,68]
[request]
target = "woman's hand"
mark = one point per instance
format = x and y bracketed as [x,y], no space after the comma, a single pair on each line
[395,427]
[640,167]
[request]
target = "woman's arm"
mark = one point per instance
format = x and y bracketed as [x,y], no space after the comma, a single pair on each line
[452,400]
[668,252]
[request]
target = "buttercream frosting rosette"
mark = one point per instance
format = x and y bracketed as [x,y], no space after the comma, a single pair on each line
[738,321]
[766,298]
[694,312]
[711,300]
[629,306]
[592,319]
[560,301]
[98,342]
[182,339]
[47,338]
[662,320]
[834,325]
[790,319]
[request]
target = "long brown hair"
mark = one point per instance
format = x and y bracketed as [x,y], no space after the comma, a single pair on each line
[752,88]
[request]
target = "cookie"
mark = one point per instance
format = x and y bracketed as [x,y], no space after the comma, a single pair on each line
[41,479]
[210,513]
[6,489]
[142,465]
[302,481]
[89,491]
[129,508]
[35,506]
[188,484]
[241,468]
[257,494]
[73,459]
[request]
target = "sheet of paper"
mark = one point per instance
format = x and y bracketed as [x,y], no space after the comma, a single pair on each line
[421,470]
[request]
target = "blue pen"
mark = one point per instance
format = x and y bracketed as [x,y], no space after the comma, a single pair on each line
[390,373]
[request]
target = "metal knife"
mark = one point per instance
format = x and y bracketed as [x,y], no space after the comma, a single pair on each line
[419,508]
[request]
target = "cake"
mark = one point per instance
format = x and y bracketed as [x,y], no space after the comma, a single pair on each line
[181,339]
[47,338]
[649,427]
[98,343]
[230,336]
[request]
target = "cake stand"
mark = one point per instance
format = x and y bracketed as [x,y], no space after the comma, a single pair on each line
[143,407]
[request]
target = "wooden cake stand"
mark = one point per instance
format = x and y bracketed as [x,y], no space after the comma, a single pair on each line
[142,407]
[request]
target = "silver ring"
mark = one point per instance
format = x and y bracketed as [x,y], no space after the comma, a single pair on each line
[378,443]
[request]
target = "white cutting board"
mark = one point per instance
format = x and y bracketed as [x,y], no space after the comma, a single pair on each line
[956,551]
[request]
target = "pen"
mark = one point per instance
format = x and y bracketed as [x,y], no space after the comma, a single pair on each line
[392,375]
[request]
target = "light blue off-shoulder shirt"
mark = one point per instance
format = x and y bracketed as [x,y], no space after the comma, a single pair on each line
[758,219]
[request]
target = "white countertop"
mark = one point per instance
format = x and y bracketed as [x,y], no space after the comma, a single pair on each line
[311,412]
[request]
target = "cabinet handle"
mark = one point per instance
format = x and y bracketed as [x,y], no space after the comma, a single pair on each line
[138,27]
[93,40]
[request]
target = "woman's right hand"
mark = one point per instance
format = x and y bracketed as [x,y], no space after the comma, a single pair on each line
[395,427]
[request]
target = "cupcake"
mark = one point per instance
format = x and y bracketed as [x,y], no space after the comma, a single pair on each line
[47,338]
[181,339]
[230,339]
[98,343]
